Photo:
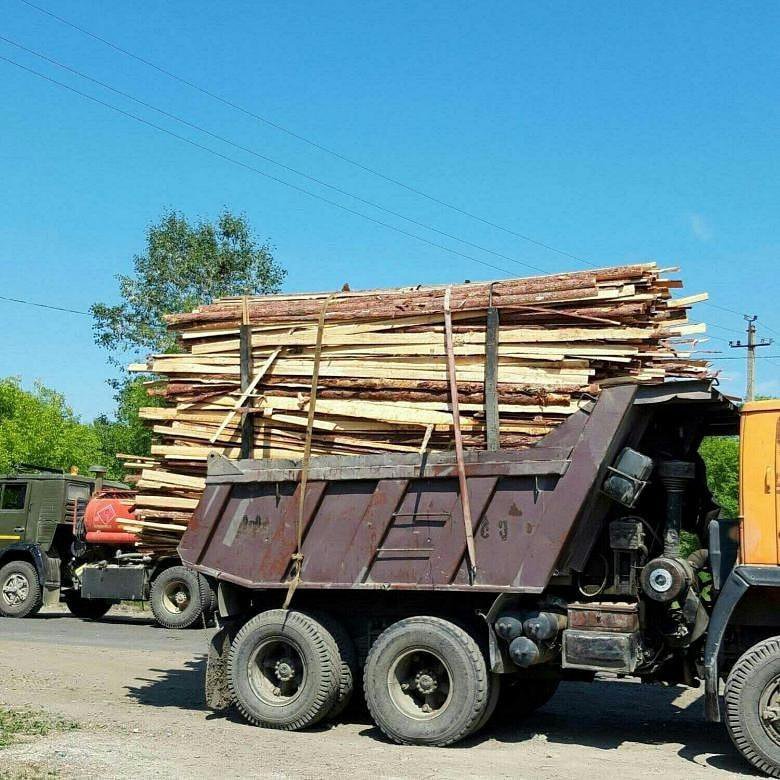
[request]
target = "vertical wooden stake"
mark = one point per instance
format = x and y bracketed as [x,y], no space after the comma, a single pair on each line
[491,378]
[464,490]
[245,360]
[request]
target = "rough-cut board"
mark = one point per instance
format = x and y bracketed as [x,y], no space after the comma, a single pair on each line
[384,375]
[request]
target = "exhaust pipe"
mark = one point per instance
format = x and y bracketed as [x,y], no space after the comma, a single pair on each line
[675,476]
[100,473]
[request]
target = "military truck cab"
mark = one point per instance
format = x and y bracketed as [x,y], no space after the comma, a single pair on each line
[37,510]
[48,553]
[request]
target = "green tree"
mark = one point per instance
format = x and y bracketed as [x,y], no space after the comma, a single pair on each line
[39,427]
[721,457]
[126,432]
[184,265]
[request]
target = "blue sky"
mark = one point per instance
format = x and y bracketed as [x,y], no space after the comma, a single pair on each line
[614,131]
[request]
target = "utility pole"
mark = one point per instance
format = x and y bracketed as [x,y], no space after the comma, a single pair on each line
[751,346]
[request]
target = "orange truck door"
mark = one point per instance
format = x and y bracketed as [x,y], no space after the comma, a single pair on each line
[758,495]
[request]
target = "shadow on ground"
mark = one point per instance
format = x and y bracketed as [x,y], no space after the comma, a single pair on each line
[605,715]
[181,688]
[129,619]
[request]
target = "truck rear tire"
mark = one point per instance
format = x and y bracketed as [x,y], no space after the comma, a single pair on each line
[178,597]
[87,609]
[426,682]
[20,590]
[284,669]
[494,684]
[348,663]
[753,705]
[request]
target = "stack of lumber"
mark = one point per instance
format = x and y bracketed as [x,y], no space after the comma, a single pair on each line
[383,375]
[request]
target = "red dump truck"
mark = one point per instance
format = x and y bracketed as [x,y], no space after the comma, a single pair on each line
[349,572]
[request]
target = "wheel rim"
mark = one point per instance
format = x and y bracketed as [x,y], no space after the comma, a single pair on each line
[420,684]
[176,596]
[16,589]
[277,672]
[769,710]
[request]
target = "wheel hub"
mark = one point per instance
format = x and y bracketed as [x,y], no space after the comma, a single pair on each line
[176,596]
[420,684]
[277,671]
[426,681]
[284,669]
[16,589]
[769,709]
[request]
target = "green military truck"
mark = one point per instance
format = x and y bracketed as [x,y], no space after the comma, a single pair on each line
[48,555]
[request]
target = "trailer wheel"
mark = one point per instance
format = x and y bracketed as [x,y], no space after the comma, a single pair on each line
[178,597]
[348,663]
[426,682]
[753,705]
[86,609]
[20,590]
[521,696]
[284,670]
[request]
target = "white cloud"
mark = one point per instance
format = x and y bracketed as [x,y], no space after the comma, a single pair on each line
[700,227]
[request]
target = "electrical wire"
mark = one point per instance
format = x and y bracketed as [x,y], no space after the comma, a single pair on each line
[321,147]
[741,357]
[43,305]
[264,157]
[248,167]
[304,139]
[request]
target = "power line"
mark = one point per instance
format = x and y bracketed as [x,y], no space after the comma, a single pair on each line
[722,327]
[264,157]
[758,357]
[332,152]
[304,139]
[244,165]
[44,305]
[706,303]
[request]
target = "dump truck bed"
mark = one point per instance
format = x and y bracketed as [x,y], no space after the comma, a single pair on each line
[396,521]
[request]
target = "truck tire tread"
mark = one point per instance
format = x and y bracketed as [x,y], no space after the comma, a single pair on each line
[171,620]
[324,651]
[348,662]
[471,653]
[35,596]
[742,683]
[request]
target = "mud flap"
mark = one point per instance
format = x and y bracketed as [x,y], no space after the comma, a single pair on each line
[218,696]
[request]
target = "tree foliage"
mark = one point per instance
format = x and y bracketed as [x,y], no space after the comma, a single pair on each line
[185,265]
[39,427]
[721,457]
[126,432]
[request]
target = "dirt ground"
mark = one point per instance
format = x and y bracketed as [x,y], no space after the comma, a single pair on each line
[136,691]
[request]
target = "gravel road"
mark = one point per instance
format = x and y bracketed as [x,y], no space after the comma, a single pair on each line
[136,690]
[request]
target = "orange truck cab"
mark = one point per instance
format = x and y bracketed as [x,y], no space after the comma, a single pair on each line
[759,506]
[743,642]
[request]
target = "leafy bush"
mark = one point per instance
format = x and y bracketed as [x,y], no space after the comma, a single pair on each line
[39,427]
[721,456]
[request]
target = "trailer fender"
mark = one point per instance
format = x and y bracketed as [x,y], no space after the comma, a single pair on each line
[218,696]
[498,657]
[737,584]
[48,568]
[232,600]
